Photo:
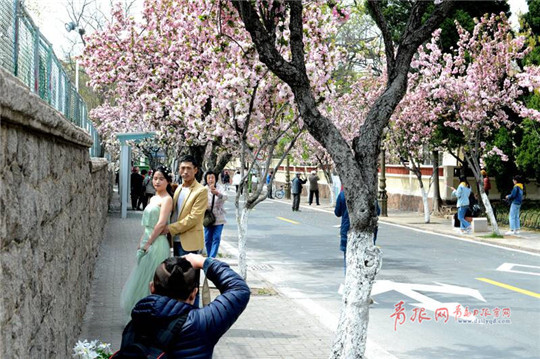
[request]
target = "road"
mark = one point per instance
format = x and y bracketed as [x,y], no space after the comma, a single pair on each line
[298,252]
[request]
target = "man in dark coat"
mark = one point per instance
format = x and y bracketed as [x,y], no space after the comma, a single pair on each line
[136,188]
[173,291]
[296,191]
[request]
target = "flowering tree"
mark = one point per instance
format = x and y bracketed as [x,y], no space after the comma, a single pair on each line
[256,106]
[356,163]
[189,72]
[475,88]
[413,126]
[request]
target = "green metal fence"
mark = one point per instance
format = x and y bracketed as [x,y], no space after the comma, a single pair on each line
[27,54]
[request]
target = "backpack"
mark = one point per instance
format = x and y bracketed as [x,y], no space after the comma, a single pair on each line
[139,348]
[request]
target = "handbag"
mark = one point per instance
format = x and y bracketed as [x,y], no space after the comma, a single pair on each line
[209,217]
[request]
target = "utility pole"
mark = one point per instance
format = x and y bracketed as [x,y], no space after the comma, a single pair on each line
[287,181]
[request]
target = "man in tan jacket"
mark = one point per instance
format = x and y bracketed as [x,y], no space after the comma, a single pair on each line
[190,201]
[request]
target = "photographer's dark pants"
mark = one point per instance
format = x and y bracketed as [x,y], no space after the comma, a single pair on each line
[311,193]
[296,202]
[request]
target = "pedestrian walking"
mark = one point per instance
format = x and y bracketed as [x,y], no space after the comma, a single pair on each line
[296,191]
[376,230]
[515,198]
[269,184]
[216,202]
[148,189]
[136,188]
[226,178]
[237,178]
[341,211]
[462,194]
[313,187]
[487,183]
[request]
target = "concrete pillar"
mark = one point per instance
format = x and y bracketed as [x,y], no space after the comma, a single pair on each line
[125,178]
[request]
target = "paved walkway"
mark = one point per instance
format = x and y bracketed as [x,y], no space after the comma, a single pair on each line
[273,326]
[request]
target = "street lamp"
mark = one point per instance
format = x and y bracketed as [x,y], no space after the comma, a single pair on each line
[71,26]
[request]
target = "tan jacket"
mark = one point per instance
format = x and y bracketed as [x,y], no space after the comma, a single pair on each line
[190,223]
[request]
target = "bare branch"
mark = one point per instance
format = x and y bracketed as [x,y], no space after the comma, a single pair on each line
[376,9]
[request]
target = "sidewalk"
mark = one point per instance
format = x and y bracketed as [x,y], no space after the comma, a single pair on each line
[527,240]
[272,326]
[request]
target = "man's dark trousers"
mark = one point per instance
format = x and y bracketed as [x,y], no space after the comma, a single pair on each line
[296,202]
[316,192]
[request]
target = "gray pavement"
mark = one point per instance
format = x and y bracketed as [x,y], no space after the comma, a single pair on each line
[528,240]
[273,325]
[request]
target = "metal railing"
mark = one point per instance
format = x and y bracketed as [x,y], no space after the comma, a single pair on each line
[27,54]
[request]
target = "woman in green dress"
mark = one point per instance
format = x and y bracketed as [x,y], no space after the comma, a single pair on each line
[153,246]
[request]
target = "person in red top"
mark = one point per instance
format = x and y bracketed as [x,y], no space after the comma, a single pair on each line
[487,184]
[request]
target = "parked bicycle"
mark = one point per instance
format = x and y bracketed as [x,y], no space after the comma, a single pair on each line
[279,193]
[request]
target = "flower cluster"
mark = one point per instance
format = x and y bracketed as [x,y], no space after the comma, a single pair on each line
[91,350]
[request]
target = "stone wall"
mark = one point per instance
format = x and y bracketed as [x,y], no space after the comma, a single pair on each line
[53,208]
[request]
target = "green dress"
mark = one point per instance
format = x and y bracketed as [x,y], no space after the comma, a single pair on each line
[138,284]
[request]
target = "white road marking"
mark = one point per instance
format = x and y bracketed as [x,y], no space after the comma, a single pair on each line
[508,267]
[411,291]
[325,317]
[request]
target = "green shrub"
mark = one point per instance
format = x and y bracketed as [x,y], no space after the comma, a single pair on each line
[529,214]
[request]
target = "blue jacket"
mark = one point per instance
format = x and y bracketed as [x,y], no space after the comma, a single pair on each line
[297,183]
[462,193]
[517,195]
[204,326]
[341,211]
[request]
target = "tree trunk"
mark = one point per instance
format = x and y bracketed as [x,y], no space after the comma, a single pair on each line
[356,164]
[436,189]
[198,152]
[332,194]
[242,214]
[426,204]
[489,212]
[363,262]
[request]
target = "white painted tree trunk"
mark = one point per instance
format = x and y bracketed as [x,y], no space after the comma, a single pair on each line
[426,205]
[489,213]
[242,224]
[363,262]
[332,195]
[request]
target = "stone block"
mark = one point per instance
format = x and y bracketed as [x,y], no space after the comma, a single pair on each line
[479,224]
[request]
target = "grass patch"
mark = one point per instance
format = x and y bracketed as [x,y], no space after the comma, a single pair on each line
[263,291]
[492,235]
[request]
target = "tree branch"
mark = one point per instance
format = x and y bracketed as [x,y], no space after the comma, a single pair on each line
[264,42]
[375,6]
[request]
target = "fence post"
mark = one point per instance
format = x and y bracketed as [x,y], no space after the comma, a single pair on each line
[49,76]
[16,37]
[36,60]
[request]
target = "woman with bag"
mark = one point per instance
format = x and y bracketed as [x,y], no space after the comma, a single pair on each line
[462,193]
[214,226]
